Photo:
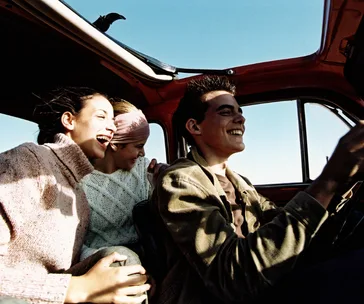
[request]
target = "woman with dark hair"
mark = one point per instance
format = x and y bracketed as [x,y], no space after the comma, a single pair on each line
[44,213]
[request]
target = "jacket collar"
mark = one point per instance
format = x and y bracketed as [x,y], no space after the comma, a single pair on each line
[238,181]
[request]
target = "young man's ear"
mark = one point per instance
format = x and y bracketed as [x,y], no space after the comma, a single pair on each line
[193,127]
[68,121]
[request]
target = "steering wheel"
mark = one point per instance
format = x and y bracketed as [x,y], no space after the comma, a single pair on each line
[346,228]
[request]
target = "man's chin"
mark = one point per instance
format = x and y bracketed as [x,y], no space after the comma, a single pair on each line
[239,148]
[235,150]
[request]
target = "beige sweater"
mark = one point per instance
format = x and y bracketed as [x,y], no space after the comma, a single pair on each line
[44,216]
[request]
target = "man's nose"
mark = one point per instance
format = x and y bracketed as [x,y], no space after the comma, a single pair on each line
[142,152]
[239,118]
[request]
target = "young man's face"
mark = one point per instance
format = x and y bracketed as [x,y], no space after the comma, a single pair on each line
[221,132]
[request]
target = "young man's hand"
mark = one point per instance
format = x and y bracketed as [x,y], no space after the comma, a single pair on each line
[344,168]
[346,162]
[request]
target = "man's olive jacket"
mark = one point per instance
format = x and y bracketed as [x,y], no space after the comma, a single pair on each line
[206,260]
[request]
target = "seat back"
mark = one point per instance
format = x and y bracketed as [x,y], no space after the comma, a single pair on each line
[153,251]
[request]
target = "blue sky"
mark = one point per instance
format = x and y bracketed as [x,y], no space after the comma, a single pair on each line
[207,34]
[212,33]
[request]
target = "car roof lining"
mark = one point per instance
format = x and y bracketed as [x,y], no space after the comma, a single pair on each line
[44,59]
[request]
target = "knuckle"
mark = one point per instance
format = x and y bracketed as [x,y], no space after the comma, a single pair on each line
[120,277]
[114,254]
[115,298]
[121,280]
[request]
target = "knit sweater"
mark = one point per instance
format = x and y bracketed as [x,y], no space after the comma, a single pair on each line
[43,218]
[111,198]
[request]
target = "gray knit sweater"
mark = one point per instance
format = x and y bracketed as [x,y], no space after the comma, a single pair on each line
[112,198]
[43,218]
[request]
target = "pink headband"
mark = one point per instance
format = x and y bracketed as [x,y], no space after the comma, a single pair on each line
[130,127]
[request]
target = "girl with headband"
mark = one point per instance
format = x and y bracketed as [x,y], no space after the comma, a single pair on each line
[119,182]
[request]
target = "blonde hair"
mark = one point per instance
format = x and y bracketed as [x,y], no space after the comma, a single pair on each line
[122,106]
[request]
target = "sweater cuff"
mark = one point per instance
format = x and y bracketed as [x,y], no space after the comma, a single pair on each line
[307,210]
[50,288]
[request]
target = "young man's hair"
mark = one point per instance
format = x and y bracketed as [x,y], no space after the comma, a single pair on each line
[192,105]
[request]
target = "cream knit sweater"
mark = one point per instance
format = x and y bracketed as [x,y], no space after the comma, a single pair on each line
[111,198]
[43,218]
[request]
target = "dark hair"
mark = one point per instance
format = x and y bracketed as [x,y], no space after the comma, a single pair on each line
[191,104]
[56,102]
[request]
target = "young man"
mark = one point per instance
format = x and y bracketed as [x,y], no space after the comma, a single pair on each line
[225,243]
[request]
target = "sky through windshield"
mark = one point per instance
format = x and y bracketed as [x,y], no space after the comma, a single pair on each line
[213,34]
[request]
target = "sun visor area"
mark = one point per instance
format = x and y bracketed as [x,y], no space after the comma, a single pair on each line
[59,16]
[354,66]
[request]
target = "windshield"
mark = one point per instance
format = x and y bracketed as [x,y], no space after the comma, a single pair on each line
[210,34]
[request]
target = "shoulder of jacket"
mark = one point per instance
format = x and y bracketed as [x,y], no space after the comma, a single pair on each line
[183,165]
[187,170]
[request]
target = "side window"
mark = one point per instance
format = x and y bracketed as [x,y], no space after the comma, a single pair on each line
[15,131]
[324,129]
[156,144]
[272,152]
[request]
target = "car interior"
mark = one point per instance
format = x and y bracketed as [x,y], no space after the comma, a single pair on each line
[43,47]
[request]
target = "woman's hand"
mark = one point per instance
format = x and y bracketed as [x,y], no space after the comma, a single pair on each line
[154,170]
[105,284]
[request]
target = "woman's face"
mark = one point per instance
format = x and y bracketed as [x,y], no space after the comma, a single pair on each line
[126,155]
[94,126]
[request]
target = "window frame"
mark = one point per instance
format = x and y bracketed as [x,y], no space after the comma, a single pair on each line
[165,137]
[302,127]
